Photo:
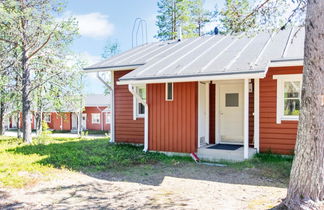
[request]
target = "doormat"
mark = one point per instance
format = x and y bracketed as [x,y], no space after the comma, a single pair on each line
[225,146]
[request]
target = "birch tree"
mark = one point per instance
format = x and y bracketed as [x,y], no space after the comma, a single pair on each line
[31,26]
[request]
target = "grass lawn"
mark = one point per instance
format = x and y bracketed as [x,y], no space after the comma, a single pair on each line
[22,165]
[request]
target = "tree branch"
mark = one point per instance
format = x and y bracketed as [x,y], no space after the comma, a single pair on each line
[44,44]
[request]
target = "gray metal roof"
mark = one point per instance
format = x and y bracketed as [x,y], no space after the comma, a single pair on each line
[95,100]
[207,55]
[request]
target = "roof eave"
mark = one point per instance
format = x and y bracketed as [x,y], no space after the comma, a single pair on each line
[112,68]
[193,78]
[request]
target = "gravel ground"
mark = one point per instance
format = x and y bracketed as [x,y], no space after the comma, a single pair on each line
[183,186]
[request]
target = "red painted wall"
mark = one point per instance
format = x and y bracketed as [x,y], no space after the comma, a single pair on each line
[98,110]
[212,113]
[279,138]
[126,129]
[57,118]
[173,125]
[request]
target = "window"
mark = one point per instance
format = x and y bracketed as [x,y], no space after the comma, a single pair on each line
[108,118]
[47,117]
[169,91]
[95,118]
[288,96]
[232,100]
[139,107]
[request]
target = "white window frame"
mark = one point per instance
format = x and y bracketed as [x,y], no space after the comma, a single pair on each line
[108,118]
[48,115]
[93,117]
[166,91]
[136,105]
[281,79]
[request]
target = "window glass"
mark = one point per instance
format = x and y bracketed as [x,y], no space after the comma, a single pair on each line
[232,100]
[292,94]
[169,91]
[47,117]
[95,118]
[140,108]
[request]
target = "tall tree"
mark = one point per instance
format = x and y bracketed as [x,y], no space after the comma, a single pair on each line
[306,186]
[189,14]
[33,26]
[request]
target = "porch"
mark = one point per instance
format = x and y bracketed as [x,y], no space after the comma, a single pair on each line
[228,119]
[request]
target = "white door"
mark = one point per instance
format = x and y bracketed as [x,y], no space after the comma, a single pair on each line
[203,114]
[231,112]
[74,121]
[84,122]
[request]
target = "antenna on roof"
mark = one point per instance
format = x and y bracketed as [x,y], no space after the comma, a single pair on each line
[139,23]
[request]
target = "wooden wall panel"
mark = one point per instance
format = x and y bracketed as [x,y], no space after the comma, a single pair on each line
[251,114]
[277,138]
[126,129]
[173,125]
[212,112]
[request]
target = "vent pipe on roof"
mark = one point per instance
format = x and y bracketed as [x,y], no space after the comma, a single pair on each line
[216,30]
[179,33]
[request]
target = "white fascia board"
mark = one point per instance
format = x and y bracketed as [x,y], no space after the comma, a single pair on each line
[121,68]
[193,79]
[283,63]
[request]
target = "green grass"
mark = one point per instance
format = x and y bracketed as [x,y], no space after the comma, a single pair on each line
[22,164]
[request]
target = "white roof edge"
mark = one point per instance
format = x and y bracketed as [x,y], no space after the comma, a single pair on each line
[287,62]
[194,78]
[112,68]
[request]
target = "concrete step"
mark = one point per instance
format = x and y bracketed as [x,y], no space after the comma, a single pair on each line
[227,155]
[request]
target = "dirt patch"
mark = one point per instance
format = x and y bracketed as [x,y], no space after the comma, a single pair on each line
[182,186]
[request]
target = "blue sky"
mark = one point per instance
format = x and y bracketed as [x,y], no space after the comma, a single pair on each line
[102,20]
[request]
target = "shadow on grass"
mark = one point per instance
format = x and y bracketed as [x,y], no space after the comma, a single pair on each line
[120,162]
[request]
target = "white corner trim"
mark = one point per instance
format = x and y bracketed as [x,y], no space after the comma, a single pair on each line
[217,99]
[280,98]
[257,114]
[246,118]
[135,94]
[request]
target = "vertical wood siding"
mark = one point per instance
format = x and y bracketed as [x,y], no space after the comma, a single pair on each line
[212,112]
[96,110]
[251,114]
[173,125]
[55,123]
[278,138]
[126,129]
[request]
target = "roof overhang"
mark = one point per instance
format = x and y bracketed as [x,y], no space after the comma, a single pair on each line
[112,68]
[286,62]
[192,78]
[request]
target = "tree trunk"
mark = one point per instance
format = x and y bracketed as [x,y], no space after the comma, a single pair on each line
[306,187]
[18,125]
[38,119]
[26,103]
[2,112]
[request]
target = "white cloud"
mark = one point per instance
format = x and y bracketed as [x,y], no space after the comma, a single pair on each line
[89,59]
[95,25]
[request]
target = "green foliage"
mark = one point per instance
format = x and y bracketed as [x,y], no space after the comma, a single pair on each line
[189,14]
[111,48]
[233,16]
[44,126]
[259,15]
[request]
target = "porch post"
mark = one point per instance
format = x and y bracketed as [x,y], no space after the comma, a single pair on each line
[256,113]
[246,118]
